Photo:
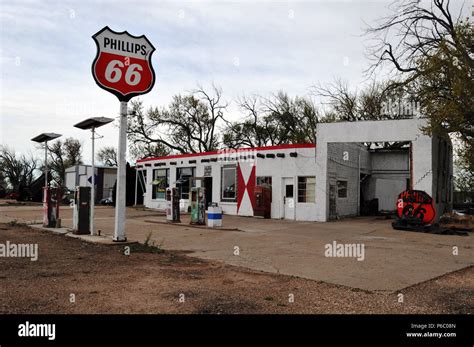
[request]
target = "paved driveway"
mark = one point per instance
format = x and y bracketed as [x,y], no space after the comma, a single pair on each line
[393,259]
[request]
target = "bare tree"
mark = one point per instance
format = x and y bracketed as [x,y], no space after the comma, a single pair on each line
[418,33]
[63,154]
[108,156]
[431,51]
[141,150]
[375,101]
[19,171]
[341,101]
[188,125]
[276,120]
[251,130]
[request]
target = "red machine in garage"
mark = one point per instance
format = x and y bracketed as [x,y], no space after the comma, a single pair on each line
[51,198]
[415,211]
[263,201]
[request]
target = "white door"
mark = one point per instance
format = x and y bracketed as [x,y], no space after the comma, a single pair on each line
[288,198]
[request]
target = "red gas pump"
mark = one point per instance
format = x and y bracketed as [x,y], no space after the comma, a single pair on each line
[51,198]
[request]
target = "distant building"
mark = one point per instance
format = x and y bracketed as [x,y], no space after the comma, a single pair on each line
[80,175]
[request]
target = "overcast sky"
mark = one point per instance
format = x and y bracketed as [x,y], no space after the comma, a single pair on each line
[244,47]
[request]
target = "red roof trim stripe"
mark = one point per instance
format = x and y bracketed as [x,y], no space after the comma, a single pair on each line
[266,148]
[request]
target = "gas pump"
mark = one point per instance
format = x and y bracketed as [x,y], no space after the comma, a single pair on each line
[172,205]
[82,211]
[51,198]
[198,205]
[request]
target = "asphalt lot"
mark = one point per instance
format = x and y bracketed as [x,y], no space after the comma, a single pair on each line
[393,260]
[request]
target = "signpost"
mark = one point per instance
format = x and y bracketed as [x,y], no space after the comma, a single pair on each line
[123,67]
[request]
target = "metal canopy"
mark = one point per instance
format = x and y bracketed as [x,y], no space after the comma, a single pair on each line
[45,137]
[94,122]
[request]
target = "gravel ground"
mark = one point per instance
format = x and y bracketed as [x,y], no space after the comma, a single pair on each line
[104,280]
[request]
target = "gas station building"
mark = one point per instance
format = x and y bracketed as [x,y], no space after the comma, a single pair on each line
[339,176]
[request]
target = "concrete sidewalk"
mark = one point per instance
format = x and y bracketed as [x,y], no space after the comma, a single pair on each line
[393,259]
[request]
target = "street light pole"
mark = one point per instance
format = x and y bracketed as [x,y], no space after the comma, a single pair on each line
[93,183]
[47,207]
[120,195]
[46,163]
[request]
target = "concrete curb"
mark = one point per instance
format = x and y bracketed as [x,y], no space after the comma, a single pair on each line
[101,240]
[57,231]
[192,225]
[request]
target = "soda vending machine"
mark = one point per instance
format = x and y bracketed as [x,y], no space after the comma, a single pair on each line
[198,205]
[263,201]
[172,205]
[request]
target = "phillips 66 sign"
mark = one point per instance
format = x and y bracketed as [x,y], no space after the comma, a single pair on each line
[122,65]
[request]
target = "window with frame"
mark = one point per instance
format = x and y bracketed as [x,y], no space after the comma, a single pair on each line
[264,181]
[183,174]
[160,183]
[307,189]
[341,189]
[229,183]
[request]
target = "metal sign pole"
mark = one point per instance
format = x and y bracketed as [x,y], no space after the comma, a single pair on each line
[93,185]
[119,233]
[136,184]
[46,164]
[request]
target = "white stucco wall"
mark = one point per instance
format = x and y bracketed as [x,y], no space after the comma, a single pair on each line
[277,168]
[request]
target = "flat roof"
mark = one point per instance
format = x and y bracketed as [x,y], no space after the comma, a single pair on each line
[73,168]
[223,151]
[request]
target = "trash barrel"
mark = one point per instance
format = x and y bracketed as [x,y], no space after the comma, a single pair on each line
[214,216]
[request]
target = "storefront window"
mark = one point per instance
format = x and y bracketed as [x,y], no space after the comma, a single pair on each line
[183,174]
[229,183]
[307,189]
[160,183]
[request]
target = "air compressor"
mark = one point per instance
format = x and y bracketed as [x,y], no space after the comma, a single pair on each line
[198,205]
[172,205]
